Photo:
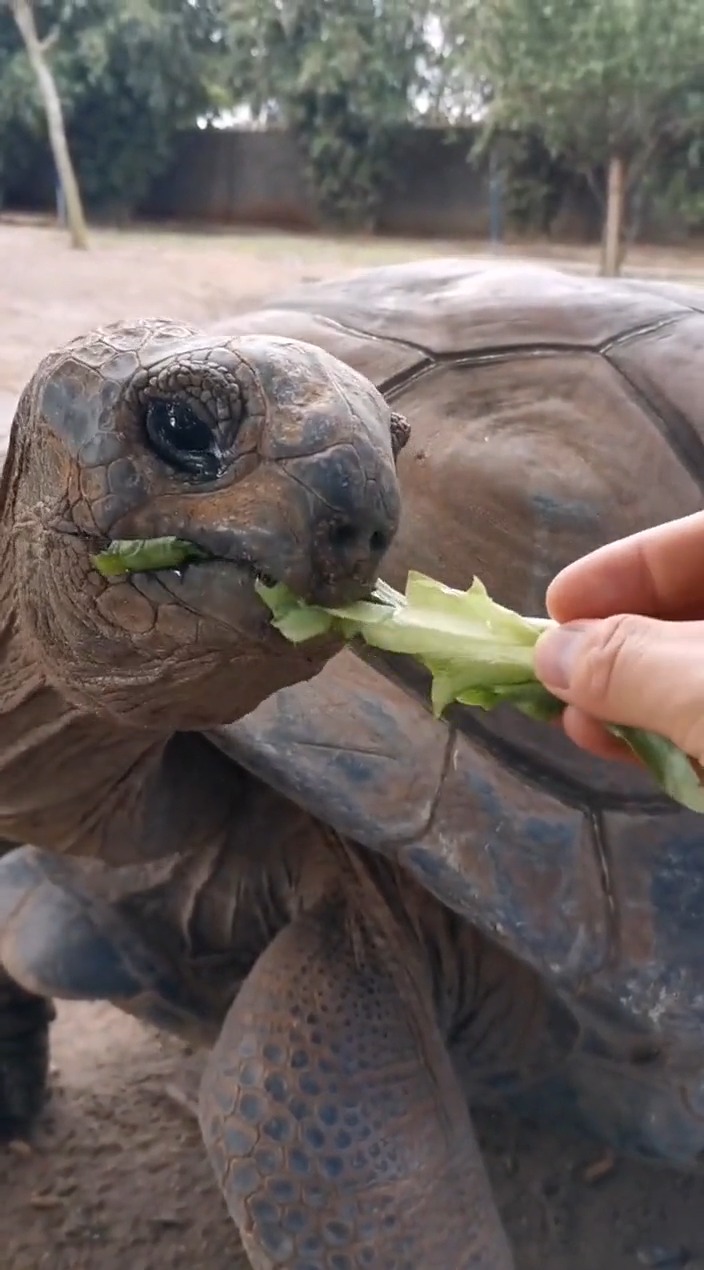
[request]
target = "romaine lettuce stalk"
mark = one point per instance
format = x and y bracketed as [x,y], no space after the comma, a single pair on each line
[477,652]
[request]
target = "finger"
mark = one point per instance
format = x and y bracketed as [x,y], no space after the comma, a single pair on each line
[659,572]
[589,734]
[633,671]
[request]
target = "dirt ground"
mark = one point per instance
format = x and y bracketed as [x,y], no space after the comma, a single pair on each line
[117,1177]
[48,293]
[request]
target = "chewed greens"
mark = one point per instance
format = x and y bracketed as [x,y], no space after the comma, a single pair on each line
[477,652]
[145,555]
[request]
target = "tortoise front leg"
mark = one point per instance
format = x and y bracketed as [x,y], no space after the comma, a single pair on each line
[24,1049]
[24,1056]
[60,939]
[333,1119]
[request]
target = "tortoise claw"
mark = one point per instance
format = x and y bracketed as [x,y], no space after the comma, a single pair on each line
[183,1090]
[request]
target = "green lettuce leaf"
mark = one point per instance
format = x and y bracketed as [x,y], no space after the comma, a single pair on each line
[477,652]
[144,555]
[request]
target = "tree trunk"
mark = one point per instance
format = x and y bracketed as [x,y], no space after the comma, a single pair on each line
[611,243]
[24,17]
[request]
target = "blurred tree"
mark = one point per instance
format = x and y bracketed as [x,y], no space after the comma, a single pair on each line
[131,75]
[675,190]
[142,70]
[607,84]
[36,50]
[342,75]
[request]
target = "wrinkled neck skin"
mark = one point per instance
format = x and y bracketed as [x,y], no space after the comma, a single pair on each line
[83,784]
[99,758]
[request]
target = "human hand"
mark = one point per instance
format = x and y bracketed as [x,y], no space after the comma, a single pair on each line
[631,650]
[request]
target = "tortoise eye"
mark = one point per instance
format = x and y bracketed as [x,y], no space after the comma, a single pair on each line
[179,437]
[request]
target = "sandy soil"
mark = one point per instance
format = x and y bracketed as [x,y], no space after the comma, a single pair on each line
[117,1177]
[48,293]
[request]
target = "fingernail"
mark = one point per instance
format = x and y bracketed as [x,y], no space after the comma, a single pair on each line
[556,653]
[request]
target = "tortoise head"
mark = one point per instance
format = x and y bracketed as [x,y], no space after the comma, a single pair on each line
[268,454]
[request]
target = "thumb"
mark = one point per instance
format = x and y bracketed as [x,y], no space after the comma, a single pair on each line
[633,671]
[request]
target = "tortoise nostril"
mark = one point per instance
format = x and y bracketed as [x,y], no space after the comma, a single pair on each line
[344,534]
[379,541]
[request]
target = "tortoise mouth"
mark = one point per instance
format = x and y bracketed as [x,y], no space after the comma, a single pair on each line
[222,546]
[219,580]
[226,583]
[247,568]
[289,562]
[220,588]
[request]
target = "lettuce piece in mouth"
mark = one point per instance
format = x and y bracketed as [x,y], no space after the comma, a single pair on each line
[145,555]
[477,652]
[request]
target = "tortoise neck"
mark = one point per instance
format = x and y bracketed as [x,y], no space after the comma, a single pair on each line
[60,767]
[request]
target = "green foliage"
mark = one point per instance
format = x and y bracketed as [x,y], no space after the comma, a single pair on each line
[570,82]
[535,183]
[21,114]
[146,73]
[130,75]
[341,74]
[591,78]
[673,191]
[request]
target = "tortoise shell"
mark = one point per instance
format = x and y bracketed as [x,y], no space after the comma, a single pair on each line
[550,414]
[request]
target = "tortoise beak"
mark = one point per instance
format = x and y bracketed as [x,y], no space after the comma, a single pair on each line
[321,525]
[353,508]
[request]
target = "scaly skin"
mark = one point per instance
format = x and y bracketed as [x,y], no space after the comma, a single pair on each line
[330,1109]
[333,1118]
[290,473]
[269,454]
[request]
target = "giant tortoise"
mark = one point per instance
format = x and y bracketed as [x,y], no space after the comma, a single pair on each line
[372,919]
